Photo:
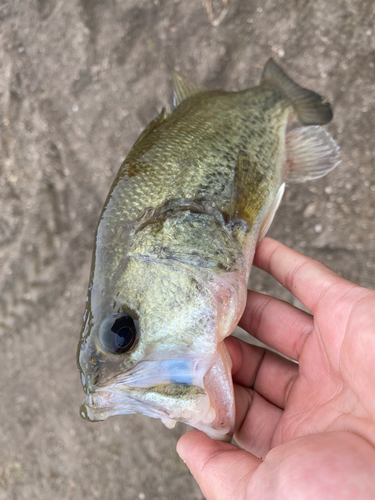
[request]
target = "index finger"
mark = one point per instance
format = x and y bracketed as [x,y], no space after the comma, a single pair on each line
[306,278]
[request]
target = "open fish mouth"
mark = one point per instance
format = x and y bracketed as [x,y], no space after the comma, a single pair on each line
[182,398]
[169,402]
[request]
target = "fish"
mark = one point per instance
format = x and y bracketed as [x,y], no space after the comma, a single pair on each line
[175,243]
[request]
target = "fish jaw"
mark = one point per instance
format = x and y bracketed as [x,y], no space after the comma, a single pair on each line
[198,392]
[183,376]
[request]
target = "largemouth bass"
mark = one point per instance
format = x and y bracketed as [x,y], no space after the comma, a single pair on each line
[175,243]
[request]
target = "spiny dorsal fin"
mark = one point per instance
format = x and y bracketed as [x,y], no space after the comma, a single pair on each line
[311,154]
[152,125]
[184,88]
[309,106]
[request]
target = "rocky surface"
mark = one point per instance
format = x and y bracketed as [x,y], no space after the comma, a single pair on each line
[79,80]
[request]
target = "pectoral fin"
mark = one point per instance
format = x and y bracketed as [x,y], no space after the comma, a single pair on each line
[252,189]
[271,213]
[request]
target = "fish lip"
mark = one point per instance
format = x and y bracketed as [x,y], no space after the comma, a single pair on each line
[119,399]
[153,371]
[91,399]
[168,386]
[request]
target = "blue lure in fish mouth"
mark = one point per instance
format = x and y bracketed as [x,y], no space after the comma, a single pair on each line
[188,381]
[173,390]
[176,240]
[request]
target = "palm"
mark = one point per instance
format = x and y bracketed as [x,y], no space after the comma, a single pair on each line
[331,391]
[304,427]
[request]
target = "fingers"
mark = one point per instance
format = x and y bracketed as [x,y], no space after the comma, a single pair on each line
[306,278]
[262,381]
[276,323]
[256,421]
[222,470]
[267,373]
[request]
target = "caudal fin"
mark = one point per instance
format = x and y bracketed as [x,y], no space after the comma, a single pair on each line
[309,106]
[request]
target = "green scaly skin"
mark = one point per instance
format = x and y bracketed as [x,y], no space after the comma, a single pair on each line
[187,204]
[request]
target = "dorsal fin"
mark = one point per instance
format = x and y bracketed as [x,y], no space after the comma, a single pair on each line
[309,106]
[184,88]
[152,125]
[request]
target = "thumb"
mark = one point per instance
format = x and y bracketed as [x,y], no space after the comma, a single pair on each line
[222,470]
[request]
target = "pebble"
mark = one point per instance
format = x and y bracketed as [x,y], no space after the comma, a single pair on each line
[318,228]
[310,209]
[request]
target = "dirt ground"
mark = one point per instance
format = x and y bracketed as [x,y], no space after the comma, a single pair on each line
[79,80]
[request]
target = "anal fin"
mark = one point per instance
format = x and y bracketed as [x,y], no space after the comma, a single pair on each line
[311,154]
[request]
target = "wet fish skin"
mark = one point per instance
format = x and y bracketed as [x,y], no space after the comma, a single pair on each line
[192,155]
[174,247]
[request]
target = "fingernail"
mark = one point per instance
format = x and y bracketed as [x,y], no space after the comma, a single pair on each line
[179,453]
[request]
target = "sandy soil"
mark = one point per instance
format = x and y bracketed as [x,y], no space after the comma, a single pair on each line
[79,80]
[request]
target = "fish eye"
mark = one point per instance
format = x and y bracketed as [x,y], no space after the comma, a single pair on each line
[118,333]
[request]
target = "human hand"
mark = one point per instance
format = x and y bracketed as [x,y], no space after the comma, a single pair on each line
[307,430]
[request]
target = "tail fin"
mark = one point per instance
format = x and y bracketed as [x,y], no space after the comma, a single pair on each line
[309,106]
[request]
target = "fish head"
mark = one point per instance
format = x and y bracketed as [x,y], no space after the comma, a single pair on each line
[152,344]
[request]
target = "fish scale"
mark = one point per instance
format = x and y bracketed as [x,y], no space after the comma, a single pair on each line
[175,243]
[157,163]
[181,141]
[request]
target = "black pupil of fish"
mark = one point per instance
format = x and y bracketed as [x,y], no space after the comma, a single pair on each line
[122,334]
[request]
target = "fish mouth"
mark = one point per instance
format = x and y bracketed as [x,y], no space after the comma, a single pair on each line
[171,390]
[169,402]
